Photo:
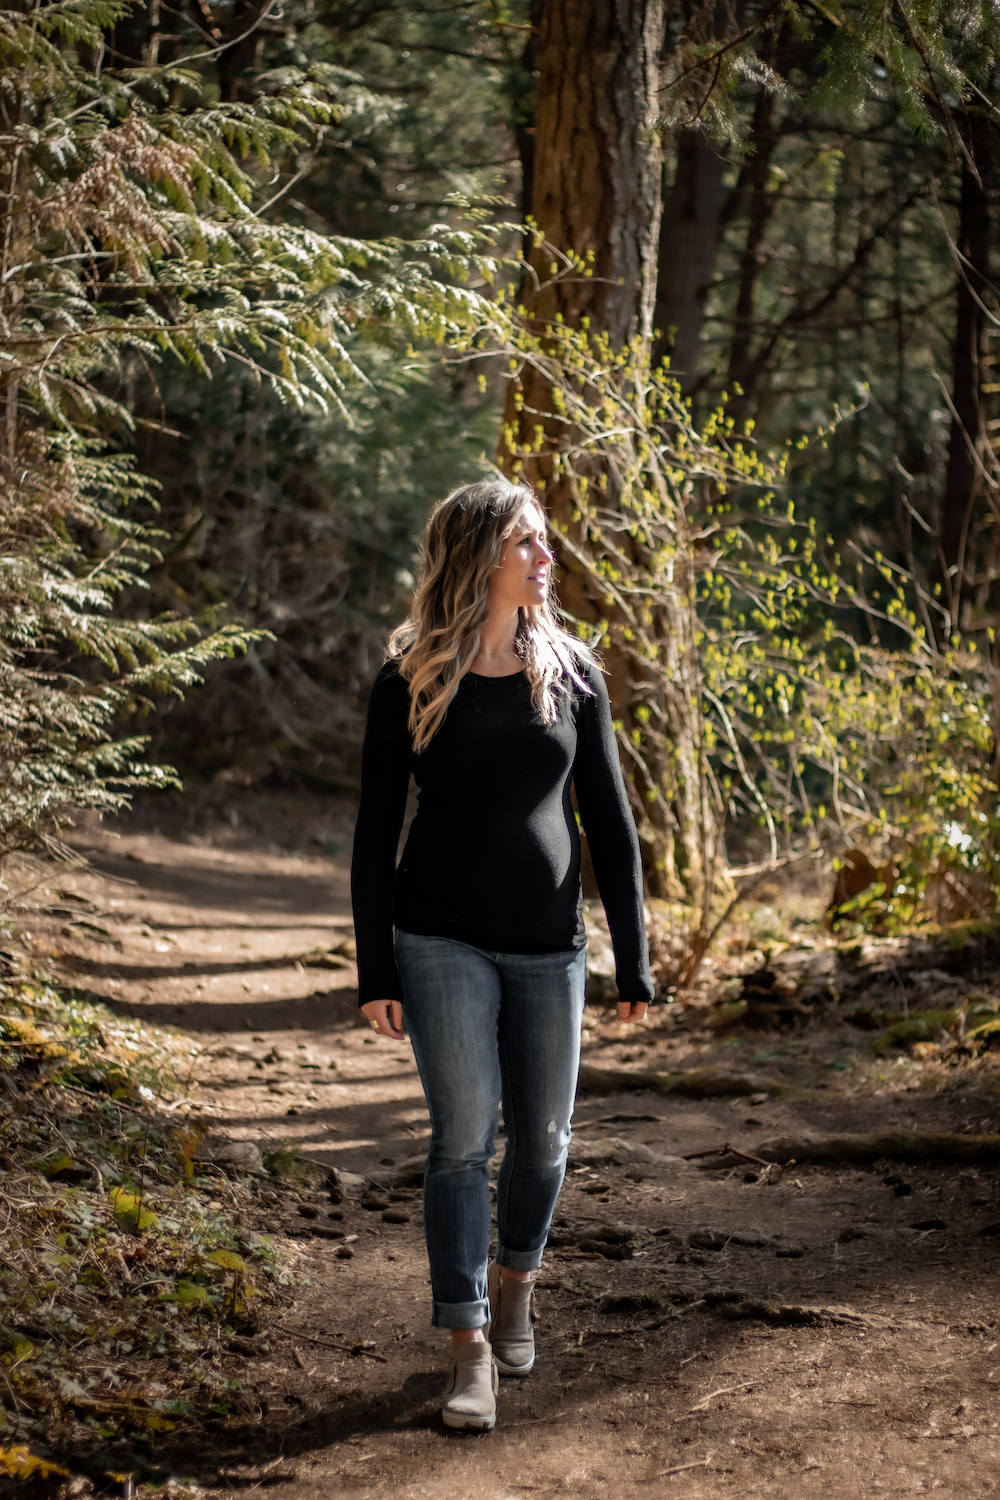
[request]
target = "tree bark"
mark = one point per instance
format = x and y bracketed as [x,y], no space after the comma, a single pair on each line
[596,159]
[248,27]
[752,261]
[524,111]
[594,166]
[964,485]
[689,241]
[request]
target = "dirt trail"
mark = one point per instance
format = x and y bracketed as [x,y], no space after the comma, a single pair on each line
[674,1398]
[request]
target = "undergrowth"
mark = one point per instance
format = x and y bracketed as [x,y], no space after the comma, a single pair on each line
[127,1262]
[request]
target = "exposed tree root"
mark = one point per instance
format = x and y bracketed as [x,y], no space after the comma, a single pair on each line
[930,1149]
[699,1083]
[797,1313]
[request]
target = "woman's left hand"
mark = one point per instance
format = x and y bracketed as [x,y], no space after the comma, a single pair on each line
[385,1017]
[631,1011]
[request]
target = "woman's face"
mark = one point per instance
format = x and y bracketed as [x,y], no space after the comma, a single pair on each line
[521,578]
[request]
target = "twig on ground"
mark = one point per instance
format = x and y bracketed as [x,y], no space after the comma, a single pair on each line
[13,1397]
[313,1338]
[725,1390]
[136,1109]
[670,1317]
[142,1179]
[700,1463]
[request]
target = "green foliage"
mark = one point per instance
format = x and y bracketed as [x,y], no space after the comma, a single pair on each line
[921,51]
[129,1212]
[845,230]
[131,236]
[69,665]
[728,627]
[985,1031]
[307,529]
[306,524]
[427,100]
[65,1036]
[880,742]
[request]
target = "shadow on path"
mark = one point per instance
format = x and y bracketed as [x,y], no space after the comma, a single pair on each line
[323,1010]
[229,887]
[191,968]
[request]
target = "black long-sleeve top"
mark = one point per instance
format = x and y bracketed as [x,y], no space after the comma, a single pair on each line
[493,854]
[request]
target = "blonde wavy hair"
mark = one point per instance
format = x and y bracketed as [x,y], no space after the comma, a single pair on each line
[439,642]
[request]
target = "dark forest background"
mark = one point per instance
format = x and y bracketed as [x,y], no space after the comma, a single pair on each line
[828,254]
[250,256]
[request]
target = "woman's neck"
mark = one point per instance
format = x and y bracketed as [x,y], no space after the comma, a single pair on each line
[498,656]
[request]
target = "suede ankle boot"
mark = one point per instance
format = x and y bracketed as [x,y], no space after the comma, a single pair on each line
[470,1399]
[510,1330]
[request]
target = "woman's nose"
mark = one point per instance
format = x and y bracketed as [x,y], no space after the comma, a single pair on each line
[543,552]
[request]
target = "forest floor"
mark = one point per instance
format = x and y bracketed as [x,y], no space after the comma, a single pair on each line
[678,1387]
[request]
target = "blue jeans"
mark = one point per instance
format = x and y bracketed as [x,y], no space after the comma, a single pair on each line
[487,1027]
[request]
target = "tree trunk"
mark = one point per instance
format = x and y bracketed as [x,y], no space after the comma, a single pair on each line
[248,25]
[596,159]
[597,171]
[594,166]
[524,111]
[752,261]
[689,241]
[964,485]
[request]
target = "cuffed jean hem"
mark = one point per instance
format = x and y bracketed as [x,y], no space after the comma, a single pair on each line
[460,1314]
[519,1260]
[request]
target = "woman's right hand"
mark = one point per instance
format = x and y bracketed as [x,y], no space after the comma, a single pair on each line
[385,1018]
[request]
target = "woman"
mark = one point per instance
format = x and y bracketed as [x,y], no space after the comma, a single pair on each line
[477,937]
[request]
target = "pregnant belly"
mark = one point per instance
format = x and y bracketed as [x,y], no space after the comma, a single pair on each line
[513,866]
